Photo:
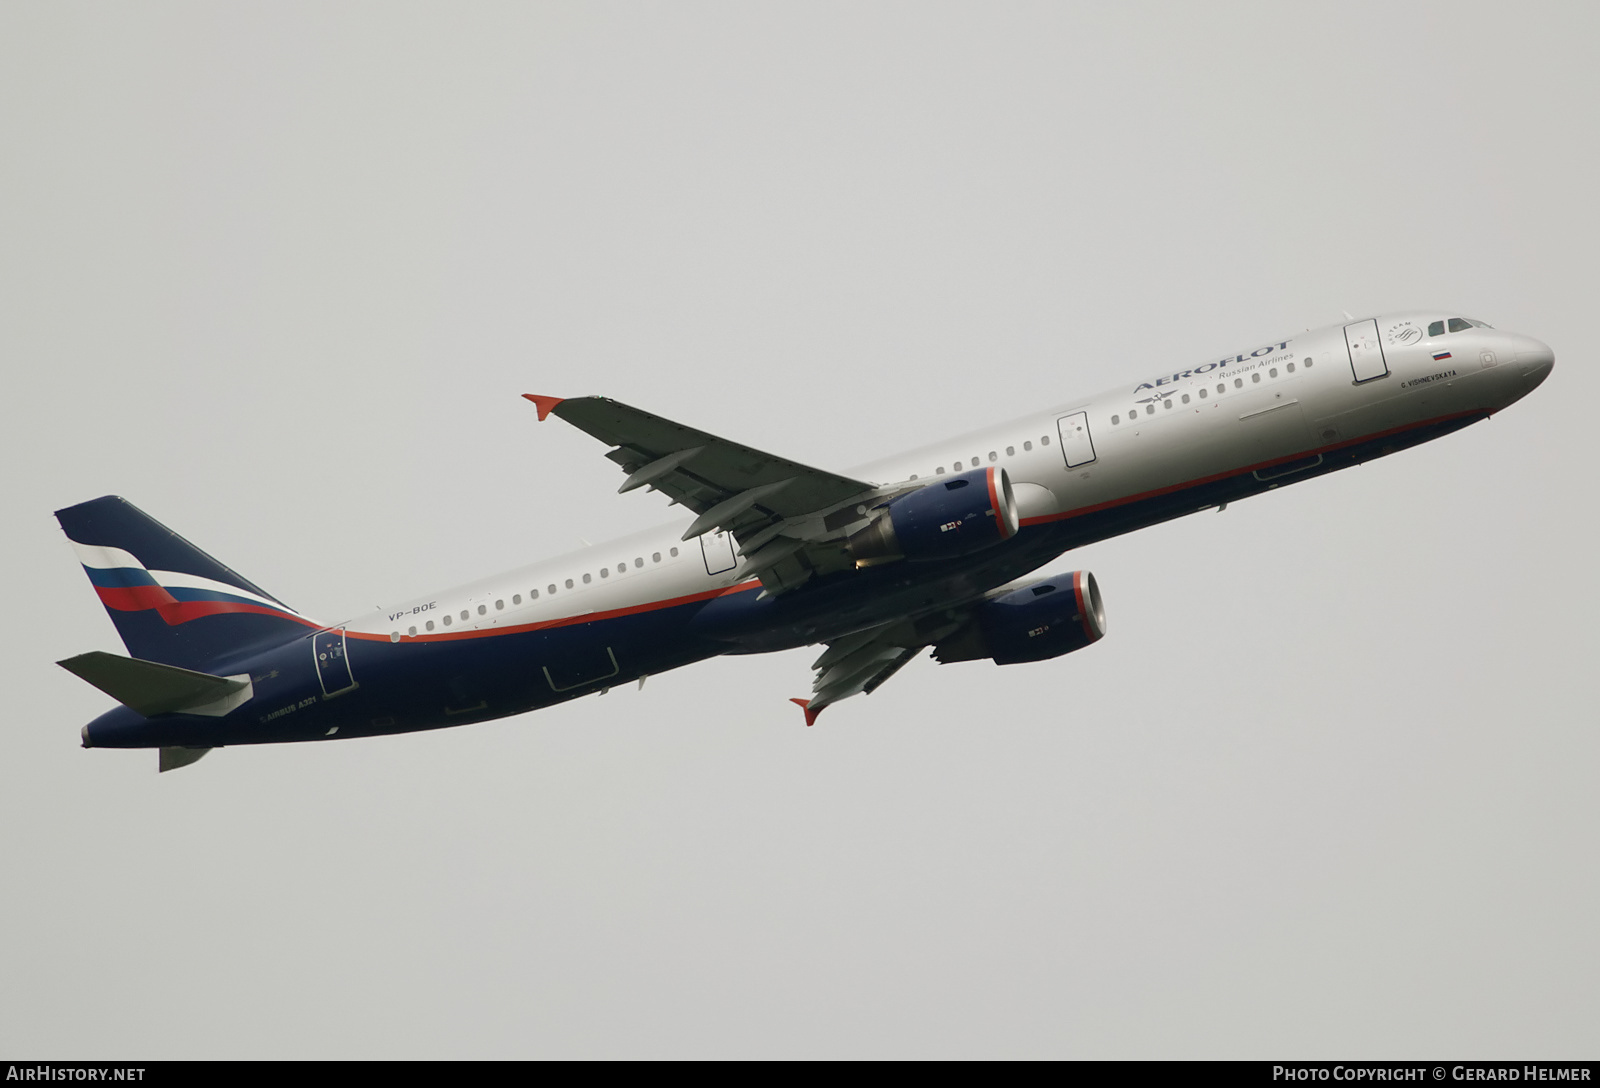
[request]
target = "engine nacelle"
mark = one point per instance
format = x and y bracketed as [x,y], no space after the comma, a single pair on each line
[944,519]
[1034,623]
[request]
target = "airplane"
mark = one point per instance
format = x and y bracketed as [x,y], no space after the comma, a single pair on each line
[931,548]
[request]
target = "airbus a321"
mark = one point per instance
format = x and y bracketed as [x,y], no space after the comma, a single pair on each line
[930,548]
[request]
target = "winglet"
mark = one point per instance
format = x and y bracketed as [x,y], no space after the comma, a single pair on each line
[805,705]
[546,405]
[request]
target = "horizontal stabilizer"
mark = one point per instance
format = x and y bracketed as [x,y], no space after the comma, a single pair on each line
[151,688]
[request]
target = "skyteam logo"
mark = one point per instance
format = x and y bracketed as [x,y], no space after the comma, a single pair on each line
[124,585]
[1406,332]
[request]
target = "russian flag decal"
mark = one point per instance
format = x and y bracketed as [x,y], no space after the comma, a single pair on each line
[1438,355]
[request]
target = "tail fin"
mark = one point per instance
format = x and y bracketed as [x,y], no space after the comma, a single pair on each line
[170,601]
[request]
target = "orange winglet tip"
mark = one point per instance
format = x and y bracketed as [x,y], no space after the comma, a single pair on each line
[546,405]
[811,715]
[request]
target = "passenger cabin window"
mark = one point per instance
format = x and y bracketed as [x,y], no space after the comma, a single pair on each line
[587,579]
[1115,420]
[1027,446]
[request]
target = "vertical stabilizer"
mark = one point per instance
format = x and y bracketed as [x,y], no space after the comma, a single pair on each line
[170,601]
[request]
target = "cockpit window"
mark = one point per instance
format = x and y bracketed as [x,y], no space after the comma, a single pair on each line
[1436,329]
[1459,324]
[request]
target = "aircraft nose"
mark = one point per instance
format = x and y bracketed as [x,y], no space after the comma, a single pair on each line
[1534,359]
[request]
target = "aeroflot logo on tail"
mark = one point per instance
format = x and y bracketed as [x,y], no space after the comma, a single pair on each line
[1206,368]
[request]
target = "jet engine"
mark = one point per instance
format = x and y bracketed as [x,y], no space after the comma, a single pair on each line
[1034,623]
[944,519]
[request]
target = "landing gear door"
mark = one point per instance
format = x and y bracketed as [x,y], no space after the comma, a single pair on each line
[1366,352]
[333,667]
[1077,446]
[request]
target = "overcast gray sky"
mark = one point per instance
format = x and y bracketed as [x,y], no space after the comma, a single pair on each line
[278,272]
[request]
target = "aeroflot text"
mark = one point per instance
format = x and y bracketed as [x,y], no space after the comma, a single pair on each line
[1206,368]
[1421,1073]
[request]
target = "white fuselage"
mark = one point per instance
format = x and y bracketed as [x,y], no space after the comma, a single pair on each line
[1272,404]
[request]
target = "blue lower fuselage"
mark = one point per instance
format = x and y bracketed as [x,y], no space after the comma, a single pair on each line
[385,686]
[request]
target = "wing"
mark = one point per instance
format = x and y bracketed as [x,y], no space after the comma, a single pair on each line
[858,664]
[790,519]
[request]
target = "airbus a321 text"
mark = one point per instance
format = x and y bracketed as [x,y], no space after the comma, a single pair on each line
[918,550]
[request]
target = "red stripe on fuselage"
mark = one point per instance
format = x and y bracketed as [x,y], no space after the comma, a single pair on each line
[565,621]
[1044,518]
